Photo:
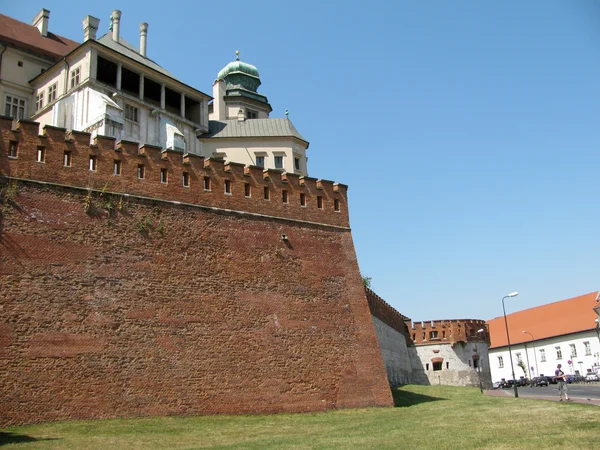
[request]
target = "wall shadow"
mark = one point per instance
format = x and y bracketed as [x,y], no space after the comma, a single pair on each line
[404,399]
[6,437]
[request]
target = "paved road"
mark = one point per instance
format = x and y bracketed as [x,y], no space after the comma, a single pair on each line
[580,393]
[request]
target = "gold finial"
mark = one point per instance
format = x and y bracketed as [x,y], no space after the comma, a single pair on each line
[237,55]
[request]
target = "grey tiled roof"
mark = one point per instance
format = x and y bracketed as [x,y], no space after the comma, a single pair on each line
[280,127]
[125,48]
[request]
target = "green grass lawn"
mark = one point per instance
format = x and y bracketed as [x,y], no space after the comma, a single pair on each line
[432,417]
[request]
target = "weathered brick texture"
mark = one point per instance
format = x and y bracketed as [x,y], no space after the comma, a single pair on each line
[140,307]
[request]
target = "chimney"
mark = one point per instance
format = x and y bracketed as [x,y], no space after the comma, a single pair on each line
[143,34]
[116,21]
[241,116]
[90,27]
[41,22]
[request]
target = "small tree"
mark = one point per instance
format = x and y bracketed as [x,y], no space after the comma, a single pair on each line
[366,281]
[521,364]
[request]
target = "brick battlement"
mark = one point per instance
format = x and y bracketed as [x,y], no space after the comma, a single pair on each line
[386,313]
[67,158]
[447,331]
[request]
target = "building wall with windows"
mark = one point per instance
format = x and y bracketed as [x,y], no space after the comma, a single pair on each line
[261,152]
[451,352]
[545,354]
[550,332]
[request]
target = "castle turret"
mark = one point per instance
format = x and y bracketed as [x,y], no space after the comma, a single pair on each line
[235,88]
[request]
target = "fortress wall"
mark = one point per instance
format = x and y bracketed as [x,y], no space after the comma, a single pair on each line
[116,306]
[56,141]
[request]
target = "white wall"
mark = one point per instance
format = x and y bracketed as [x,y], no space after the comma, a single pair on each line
[548,366]
[394,352]
[269,147]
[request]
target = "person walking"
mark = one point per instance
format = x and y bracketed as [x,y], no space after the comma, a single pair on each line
[561,379]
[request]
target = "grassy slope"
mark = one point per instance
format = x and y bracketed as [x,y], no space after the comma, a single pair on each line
[425,417]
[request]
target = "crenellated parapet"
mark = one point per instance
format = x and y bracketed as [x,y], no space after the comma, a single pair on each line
[56,156]
[386,313]
[448,331]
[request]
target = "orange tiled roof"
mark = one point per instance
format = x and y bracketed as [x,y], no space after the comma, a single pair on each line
[28,37]
[554,319]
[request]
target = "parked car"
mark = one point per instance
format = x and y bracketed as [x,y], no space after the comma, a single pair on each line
[497,385]
[506,384]
[551,380]
[592,377]
[521,382]
[539,381]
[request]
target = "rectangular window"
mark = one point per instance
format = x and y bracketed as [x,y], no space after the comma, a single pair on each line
[279,162]
[207,183]
[558,353]
[426,366]
[247,189]
[93,163]
[284,196]
[163,176]
[266,193]
[14,107]
[185,181]
[67,158]
[437,366]
[500,362]
[52,93]
[302,199]
[433,334]
[320,205]
[251,114]
[75,76]
[117,167]
[39,101]
[41,155]
[297,163]
[588,349]
[260,161]
[336,205]
[443,335]
[131,113]
[228,186]
[13,150]
[542,355]
[141,172]
[573,351]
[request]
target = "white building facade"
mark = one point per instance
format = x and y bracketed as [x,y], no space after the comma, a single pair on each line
[563,332]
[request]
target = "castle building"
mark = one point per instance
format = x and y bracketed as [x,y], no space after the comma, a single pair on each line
[146,269]
[107,87]
[447,352]
[25,52]
[563,332]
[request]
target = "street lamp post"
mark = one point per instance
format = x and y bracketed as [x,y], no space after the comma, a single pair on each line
[479,362]
[537,372]
[512,367]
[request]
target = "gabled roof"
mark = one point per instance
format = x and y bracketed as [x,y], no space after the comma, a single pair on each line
[125,48]
[553,319]
[29,38]
[233,128]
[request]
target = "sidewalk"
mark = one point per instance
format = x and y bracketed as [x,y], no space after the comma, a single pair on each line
[554,398]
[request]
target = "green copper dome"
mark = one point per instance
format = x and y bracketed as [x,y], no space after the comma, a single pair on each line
[239,73]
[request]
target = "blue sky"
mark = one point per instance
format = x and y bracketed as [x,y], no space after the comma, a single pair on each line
[468,131]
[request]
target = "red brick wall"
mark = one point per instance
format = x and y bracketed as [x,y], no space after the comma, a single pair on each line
[55,141]
[461,330]
[166,309]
